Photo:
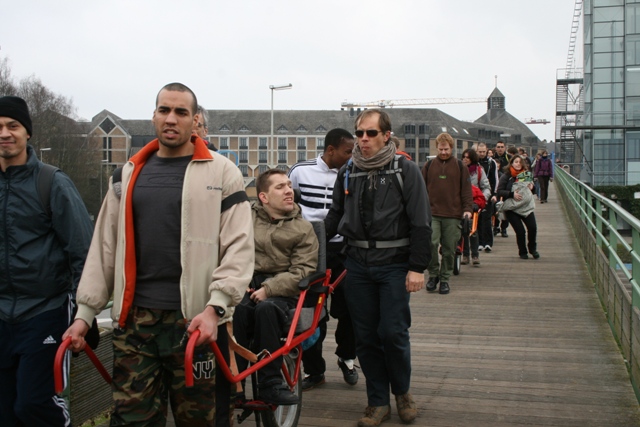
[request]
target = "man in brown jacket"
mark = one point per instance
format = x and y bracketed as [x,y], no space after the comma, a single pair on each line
[286,252]
[449,190]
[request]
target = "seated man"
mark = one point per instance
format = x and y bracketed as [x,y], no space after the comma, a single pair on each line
[286,252]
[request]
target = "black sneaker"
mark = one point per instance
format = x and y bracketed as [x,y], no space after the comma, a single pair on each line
[444,288]
[432,284]
[312,381]
[504,233]
[350,375]
[278,394]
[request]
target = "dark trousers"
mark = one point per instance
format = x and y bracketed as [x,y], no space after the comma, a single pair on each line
[313,362]
[379,306]
[471,242]
[543,181]
[27,396]
[526,240]
[485,231]
[264,323]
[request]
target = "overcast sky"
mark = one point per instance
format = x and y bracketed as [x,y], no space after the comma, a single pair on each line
[116,55]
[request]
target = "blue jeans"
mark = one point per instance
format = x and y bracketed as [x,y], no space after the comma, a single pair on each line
[379,305]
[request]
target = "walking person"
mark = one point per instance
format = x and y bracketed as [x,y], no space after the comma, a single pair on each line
[42,255]
[543,173]
[490,168]
[502,158]
[175,249]
[381,208]
[480,181]
[315,179]
[451,200]
[515,188]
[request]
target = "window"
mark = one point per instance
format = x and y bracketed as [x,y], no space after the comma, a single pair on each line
[423,129]
[107,125]
[320,144]
[321,129]
[106,148]
[282,143]
[454,129]
[243,143]
[424,143]
[244,169]
[302,156]
[444,128]
[302,143]
[262,168]
[244,129]
[282,129]
[262,157]
[301,129]
[262,143]
[459,145]
[410,143]
[243,157]
[282,157]
[224,143]
[410,129]
[224,128]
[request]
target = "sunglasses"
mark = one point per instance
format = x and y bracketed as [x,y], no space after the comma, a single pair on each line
[371,133]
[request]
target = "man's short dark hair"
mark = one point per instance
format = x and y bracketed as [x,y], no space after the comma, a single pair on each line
[335,137]
[179,87]
[262,182]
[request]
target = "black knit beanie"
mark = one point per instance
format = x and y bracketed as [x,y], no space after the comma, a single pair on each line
[16,108]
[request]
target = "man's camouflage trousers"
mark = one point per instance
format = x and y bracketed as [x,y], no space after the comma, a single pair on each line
[148,372]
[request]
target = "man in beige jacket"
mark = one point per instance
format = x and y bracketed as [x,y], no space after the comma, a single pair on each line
[176,251]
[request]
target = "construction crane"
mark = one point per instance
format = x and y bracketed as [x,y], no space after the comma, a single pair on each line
[533,121]
[390,103]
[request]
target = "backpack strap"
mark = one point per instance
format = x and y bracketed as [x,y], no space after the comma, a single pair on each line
[396,169]
[117,181]
[43,187]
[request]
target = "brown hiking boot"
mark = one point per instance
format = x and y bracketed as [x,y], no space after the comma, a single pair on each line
[374,415]
[407,409]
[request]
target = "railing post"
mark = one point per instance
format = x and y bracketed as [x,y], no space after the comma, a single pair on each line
[635,268]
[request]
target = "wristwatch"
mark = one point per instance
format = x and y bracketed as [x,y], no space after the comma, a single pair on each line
[219,310]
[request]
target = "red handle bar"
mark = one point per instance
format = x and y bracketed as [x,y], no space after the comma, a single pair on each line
[59,359]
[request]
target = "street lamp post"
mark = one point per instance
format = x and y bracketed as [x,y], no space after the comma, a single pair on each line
[44,149]
[270,159]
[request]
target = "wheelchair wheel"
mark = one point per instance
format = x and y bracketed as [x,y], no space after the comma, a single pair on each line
[286,416]
[456,264]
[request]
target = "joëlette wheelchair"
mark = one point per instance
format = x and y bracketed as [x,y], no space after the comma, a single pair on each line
[304,322]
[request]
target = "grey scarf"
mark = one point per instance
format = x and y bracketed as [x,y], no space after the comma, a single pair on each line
[374,163]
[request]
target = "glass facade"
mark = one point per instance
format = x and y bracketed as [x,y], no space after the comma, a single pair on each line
[612,90]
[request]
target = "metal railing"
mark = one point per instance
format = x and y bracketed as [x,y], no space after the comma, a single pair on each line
[598,223]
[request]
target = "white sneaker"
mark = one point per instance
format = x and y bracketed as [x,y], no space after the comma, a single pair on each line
[487,248]
[480,247]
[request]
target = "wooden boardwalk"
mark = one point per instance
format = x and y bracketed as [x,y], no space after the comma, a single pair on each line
[515,343]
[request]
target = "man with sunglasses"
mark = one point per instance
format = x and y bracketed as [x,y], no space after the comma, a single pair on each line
[381,208]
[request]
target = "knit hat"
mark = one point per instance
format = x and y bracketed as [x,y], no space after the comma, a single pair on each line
[16,108]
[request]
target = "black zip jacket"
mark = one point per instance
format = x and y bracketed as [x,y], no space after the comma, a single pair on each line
[41,256]
[382,214]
